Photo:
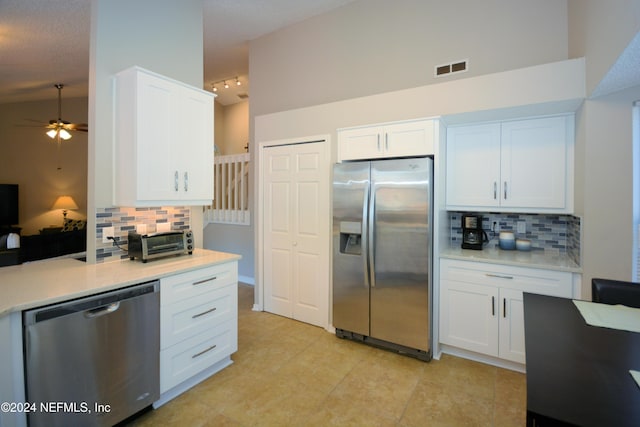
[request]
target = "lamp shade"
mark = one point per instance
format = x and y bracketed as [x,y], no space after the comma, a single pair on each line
[64,202]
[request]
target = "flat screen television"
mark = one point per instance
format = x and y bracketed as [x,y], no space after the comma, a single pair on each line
[9,204]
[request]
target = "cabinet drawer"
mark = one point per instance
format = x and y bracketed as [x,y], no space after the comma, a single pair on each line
[187,358]
[198,282]
[534,280]
[191,316]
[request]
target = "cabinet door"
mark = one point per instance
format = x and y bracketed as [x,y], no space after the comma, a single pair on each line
[164,141]
[511,325]
[473,166]
[155,138]
[533,163]
[409,139]
[469,317]
[360,143]
[194,156]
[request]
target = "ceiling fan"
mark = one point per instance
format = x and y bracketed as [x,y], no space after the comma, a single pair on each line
[59,129]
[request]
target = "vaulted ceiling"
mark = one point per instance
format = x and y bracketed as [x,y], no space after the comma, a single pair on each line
[43,42]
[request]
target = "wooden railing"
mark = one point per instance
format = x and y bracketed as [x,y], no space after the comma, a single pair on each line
[231,188]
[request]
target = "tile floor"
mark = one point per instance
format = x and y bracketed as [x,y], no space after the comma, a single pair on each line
[288,373]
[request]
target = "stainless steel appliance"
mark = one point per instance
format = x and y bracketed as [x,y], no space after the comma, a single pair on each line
[157,245]
[473,236]
[93,361]
[382,257]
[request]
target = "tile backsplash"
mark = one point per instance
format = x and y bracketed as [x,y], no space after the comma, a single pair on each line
[552,233]
[125,219]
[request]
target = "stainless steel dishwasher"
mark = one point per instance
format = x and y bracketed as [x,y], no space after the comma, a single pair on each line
[93,361]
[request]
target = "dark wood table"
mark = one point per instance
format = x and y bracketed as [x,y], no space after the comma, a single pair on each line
[578,374]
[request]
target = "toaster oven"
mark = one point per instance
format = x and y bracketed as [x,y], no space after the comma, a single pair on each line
[158,245]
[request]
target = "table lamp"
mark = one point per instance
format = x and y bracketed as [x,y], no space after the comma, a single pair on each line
[65,203]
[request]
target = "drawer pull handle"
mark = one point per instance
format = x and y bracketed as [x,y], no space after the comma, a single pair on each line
[499,276]
[200,282]
[203,351]
[195,316]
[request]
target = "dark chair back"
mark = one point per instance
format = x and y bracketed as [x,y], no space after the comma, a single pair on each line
[615,292]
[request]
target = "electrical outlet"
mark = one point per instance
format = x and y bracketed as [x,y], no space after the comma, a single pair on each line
[521,227]
[106,233]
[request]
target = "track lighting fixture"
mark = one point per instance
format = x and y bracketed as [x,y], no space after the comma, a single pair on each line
[225,84]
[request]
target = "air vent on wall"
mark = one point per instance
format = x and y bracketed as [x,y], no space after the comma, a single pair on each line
[451,68]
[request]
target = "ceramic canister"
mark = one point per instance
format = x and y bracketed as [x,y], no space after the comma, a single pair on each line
[507,240]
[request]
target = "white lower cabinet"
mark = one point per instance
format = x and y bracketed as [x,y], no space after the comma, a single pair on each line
[198,326]
[481,307]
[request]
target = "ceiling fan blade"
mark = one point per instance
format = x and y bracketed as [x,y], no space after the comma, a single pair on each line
[76,126]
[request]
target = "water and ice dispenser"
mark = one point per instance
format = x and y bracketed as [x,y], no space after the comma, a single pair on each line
[351,237]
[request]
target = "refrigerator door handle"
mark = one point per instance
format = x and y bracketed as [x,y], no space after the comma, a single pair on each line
[371,244]
[364,237]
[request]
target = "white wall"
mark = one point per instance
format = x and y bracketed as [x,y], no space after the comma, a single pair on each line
[31,159]
[164,36]
[543,89]
[608,187]
[601,31]
[377,46]
[235,133]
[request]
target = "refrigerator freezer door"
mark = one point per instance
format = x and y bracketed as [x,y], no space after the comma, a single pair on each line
[401,245]
[350,272]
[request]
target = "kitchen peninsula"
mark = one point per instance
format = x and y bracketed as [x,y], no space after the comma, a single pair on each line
[42,283]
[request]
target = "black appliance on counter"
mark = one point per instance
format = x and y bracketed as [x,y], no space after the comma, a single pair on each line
[473,236]
[158,245]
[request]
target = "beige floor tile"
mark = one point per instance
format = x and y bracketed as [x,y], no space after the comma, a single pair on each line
[287,373]
[441,405]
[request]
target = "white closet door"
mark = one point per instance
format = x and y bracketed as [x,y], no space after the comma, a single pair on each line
[296,231]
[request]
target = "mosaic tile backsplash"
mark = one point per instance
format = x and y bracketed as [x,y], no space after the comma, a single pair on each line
[551,233]
[125,219]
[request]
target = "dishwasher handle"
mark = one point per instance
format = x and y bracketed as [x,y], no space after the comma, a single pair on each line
[96,304]
[101,311]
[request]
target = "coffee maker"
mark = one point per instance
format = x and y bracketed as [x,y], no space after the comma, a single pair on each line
[473,236]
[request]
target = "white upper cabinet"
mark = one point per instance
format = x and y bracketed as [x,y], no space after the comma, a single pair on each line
[402,139]
[523,165]
[163,141]
[473,165]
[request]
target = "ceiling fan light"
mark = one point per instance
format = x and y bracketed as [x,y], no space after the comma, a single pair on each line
[64,134]
[52,133]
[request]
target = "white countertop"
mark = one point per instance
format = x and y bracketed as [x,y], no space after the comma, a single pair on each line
[533,259]
[39,283]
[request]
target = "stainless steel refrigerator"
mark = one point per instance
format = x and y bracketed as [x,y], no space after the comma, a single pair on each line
[382,257]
